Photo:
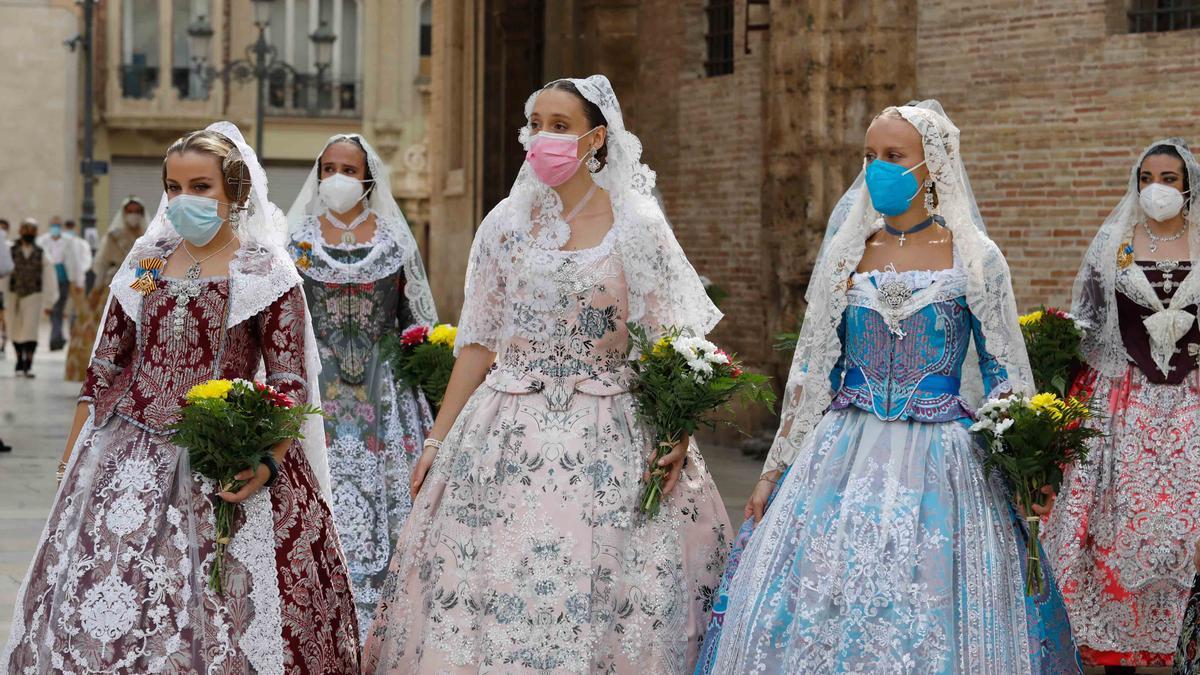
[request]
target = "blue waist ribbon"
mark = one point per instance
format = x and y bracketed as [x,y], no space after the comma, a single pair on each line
[931,385]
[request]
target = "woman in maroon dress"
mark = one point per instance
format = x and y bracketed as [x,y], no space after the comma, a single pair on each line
[1123,530]
[118,583]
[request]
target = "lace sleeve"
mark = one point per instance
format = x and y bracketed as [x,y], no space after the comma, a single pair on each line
[664,288]
[281,336]
[482,319]
[994,374]
[113,354]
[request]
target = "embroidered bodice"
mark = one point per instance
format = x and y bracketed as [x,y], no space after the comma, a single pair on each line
[1135,306]
[356,295]
[142,372]
[578,302]
[905,337]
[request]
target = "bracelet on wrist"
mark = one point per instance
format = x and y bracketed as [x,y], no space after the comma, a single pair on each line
[273,467]
[432,443]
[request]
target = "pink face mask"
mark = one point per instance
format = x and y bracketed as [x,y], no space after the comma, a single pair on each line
[552,156]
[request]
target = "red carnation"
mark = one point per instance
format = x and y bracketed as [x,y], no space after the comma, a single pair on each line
[279,400]
[737,372]
[414,336]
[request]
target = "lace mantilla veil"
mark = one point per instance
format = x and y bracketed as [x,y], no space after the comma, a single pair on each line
[852,222]
[259,274]
[1094,297]
[664,289]
[382,261]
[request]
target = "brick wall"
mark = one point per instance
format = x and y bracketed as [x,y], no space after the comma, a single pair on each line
[1054,102]
[704,137]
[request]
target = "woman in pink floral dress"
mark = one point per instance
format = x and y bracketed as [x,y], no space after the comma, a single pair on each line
[525,550]
[119,580]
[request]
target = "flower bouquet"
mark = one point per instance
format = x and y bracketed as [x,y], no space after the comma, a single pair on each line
[679,381]
[1052,339]
[424,358]
[1030,441]
[228,426]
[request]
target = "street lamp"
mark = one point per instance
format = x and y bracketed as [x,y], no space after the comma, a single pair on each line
[322,39]
[261,62]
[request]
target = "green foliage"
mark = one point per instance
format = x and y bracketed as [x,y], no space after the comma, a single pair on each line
[426,366]
[1030,442]
[226,435]
[1052,339]
[676,400]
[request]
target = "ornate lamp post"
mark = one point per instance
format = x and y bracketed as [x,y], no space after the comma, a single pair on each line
[261,63]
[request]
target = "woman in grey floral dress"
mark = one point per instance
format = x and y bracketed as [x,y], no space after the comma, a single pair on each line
[525,551]
[364,280]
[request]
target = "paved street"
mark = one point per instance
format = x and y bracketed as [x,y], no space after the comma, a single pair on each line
[35,416]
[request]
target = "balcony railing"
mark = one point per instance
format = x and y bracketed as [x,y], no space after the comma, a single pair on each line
[299,95]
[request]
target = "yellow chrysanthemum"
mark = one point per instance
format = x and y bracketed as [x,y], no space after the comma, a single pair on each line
[443,334]
[1047,403]
[1032,317]
[210,389]
[662,346]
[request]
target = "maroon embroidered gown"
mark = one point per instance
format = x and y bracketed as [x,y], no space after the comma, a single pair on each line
[119,580]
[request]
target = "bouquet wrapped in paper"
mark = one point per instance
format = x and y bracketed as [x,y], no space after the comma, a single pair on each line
[1052,339]
[424,358]
[228,426]
[1030,441]
[680,381]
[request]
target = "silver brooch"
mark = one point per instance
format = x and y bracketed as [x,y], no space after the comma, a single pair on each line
[894,294]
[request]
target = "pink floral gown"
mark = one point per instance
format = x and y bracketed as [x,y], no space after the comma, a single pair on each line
[119,580]
[525,550]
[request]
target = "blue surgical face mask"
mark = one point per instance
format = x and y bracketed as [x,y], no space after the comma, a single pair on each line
[196,219]
[56,230]
[892,187]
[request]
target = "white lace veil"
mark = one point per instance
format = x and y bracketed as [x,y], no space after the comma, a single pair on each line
[389,220]
[259,274]
[1094,297]
[852,222]
[664,289]
[118,218]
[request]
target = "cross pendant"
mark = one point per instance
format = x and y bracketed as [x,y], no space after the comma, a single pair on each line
[902,239]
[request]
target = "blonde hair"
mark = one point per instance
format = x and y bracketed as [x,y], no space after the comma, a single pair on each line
[234,173]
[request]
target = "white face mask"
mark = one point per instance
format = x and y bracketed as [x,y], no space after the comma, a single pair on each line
[1160,202]
[340,192]
[133,220]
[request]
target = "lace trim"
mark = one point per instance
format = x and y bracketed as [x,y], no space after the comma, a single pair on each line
[258,276]
[254,546]
[385,257]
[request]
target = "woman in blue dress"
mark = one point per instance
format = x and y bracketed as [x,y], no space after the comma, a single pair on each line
[886,548]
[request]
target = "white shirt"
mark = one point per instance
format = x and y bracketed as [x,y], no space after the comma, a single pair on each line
[69,251]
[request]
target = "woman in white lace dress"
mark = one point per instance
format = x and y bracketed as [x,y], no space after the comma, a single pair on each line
[364,281]
[525,551]
[886,548]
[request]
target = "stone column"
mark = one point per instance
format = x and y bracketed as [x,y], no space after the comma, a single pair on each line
[832,67]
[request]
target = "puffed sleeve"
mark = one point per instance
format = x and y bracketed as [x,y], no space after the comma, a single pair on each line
[114,352]
[281,336]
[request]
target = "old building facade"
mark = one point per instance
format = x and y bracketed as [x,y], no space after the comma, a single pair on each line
[753,112]
[151,86]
